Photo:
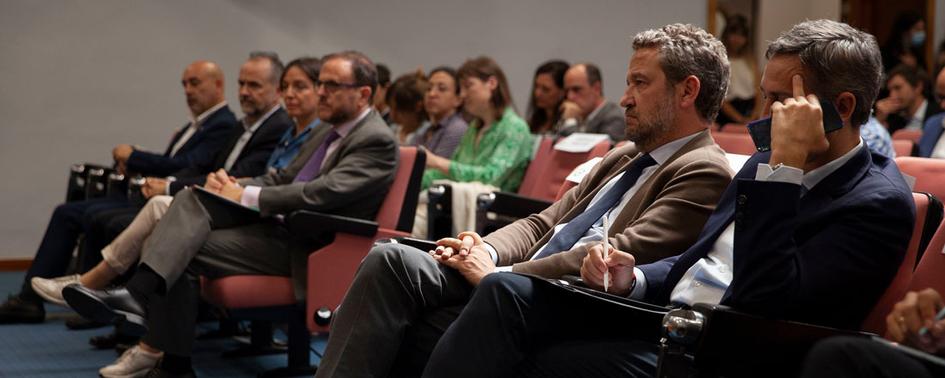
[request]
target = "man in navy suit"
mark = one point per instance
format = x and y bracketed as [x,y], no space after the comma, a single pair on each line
[813,230]
[197,143]
[932,144]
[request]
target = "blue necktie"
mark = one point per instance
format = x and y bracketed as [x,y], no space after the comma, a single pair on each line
[572,232]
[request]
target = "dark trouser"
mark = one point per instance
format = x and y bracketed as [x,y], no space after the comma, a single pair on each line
[516,326]
[858,357]
[67,223]
[183,246]
[399,304]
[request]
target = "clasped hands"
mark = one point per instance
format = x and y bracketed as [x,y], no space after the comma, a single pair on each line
[467,254]
[221,183]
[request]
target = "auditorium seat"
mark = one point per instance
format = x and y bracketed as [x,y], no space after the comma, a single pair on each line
[734,143]
[928,173]
[930,273]
[907,134]
[903,147]
[330,268]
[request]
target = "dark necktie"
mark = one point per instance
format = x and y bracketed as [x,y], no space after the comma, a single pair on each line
[314,164]
[572,232]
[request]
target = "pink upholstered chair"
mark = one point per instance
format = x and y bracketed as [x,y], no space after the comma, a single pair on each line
[330,268]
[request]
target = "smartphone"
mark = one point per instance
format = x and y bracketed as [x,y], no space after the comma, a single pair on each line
[760,130]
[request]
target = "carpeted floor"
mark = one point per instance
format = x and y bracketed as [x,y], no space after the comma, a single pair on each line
[51,350]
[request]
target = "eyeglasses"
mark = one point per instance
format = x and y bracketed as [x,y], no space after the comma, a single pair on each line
[334,86]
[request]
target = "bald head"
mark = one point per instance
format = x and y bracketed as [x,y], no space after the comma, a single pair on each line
[203,86]
[582,85]
[940,88]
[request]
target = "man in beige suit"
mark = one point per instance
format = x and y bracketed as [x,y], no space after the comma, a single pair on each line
[655,197]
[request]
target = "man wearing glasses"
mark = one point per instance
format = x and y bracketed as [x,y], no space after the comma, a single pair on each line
[346,169]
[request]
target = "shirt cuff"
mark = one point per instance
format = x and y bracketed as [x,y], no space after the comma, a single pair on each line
[507,268]
[570,122]
[639,286]
[167,188]
[492,252]
[250,197]
[782,173]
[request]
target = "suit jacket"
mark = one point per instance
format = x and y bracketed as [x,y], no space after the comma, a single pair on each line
[609,120]
[823,258]
[252,159]
[353,180]
[896,121]
[662,218]
[200,149]
[931,133]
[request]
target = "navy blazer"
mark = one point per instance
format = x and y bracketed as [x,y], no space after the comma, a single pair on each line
[201,148]
[931,132]
[251,161]
[823,258]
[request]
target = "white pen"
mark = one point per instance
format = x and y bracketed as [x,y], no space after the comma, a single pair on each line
[606,251]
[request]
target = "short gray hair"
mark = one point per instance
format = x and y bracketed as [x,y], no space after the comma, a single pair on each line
[275,64]
[839,58]
[686,50]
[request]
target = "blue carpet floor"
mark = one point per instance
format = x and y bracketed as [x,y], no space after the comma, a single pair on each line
[51,350]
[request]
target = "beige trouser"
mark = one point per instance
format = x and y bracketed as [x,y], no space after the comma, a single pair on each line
[125,250]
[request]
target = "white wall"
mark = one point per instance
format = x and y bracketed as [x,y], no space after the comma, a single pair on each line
[776,16]
[77,78]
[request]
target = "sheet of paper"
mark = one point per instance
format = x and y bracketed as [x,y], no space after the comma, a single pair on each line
[579,142]
[582,170]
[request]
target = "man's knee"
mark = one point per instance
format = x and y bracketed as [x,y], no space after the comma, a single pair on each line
[383,256]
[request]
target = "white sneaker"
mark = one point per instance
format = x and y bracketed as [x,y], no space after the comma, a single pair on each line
[135,362]
[51,288]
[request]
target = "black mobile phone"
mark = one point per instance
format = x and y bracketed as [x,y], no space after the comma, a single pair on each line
[760,130]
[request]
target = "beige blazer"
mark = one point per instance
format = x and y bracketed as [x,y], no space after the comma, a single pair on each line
[662,219]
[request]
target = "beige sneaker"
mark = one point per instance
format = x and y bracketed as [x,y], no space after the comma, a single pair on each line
[135,362]
[51,288]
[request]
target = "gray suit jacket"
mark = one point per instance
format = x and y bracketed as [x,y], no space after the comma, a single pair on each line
[663,218]
[609,120]
[353,181]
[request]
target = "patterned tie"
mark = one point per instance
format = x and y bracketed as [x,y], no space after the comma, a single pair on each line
[572,232]
[314,164]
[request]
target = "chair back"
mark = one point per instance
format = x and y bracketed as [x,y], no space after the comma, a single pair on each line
[929,272]
[929,174]
[903,147]
[557,168]
[928,216]
[907,134]
[734,143]
[400,204]
[734,128]
[538,165]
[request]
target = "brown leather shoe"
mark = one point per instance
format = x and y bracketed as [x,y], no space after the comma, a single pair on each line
[17,310]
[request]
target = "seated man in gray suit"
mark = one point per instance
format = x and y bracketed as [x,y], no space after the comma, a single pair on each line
[347,170]
[654,198]
[585,110]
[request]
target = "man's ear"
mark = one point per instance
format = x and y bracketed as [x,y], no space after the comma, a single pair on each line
[365,93]
[846,103]
[689,89]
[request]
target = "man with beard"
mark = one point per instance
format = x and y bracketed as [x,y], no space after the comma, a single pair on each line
[654,197]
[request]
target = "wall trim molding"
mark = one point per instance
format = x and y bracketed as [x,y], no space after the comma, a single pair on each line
[15,265]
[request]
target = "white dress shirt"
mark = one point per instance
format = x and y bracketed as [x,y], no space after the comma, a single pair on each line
[596,232]
[193,126]
[916,122]
[707,280]
[248,132]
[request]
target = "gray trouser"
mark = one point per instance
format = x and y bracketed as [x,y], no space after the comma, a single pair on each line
[400,303]
[184,246]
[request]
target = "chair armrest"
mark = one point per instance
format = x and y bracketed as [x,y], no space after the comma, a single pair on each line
[423,245]
[733,343]
[304,222]
[510,204]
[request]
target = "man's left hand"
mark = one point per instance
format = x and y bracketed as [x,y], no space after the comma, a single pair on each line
[154,186]
[467,254]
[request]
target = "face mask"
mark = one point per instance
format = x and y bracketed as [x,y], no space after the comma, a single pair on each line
[918,38]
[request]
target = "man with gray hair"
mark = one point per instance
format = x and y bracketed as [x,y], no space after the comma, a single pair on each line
[651,199]
[812,231]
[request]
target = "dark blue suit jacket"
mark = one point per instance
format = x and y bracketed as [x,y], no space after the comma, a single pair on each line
[201,148]
[252,159]
[931,132]
[823,258]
